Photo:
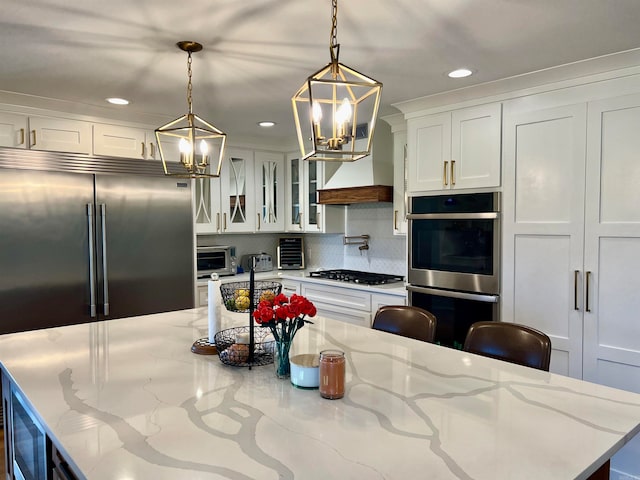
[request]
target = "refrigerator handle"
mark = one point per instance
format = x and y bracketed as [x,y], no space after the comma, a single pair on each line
[105,278]
[92,266]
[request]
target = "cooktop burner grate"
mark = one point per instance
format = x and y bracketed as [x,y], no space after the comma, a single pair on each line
[354,276]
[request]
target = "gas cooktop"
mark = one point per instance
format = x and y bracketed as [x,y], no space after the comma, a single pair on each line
[354,276]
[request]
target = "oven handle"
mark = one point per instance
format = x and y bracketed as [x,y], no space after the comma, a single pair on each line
[461,295]
[453,216]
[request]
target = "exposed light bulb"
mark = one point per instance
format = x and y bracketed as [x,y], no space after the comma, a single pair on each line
[204,148]
[343,115]
[317,113]
[184,146]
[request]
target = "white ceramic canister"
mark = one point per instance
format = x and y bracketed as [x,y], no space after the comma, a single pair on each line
[305,370]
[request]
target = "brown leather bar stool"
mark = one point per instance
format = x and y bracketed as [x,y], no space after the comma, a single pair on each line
[511,342]
[407,321]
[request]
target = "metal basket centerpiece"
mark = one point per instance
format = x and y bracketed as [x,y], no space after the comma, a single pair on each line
[235,295]
[233,351]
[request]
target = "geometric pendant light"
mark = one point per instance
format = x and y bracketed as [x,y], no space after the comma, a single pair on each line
[335,110]
[190,139]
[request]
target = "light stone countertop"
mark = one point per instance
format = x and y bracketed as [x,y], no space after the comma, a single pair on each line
[127,400]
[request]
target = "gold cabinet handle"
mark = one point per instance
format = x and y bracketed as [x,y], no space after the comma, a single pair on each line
[218,222]
[318,221]
[224,221]
[143,149]
[259,222]
[586,302]
[152,150]
[21,136]
[453,175]
[444,174]
[575,289]
[395,219]
[300,220]
[33,137]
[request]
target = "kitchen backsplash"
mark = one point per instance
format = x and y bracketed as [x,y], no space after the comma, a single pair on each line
[387,253]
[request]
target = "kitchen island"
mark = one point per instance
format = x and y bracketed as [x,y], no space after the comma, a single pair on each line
[126,400]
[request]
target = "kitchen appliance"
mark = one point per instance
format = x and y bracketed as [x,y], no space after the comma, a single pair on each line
[215,259]
[90,238]
[454,260]
[290,253]
[28,455]
[354,276]
[263,262]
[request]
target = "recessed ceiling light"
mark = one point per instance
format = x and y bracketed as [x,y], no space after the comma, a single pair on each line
[118,101]
[266,124]
[460,73]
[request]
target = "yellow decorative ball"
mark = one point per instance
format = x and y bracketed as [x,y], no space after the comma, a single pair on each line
[242,302]
[267,296]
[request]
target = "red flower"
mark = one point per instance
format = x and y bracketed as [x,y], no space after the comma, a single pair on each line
[284,316]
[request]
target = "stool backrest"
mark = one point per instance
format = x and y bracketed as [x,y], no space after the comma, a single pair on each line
[511,342]
[407,321]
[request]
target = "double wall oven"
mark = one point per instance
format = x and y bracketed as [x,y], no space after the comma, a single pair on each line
[454,260]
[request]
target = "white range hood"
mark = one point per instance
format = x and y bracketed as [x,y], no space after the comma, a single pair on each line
[369,179]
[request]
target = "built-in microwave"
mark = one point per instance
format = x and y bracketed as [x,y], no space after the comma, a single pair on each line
[218,259]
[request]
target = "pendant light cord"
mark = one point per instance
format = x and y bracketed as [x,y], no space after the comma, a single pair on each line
[334,46]
[189,86]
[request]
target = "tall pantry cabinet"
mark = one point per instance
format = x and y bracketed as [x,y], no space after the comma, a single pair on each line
[571,224]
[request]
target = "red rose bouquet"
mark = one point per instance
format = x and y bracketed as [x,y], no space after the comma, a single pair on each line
[284,317]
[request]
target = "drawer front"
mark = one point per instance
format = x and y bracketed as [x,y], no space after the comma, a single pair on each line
[339,297]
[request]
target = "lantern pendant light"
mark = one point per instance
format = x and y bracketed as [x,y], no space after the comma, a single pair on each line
[189,139]
[335,110]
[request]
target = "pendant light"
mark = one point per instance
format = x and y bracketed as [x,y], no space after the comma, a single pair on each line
[189,139]
[335,110]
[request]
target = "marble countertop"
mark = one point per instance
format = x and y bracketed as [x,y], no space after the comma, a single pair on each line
[126,400]
[396,288]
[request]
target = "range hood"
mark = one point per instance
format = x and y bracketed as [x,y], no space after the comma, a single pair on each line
[369,179]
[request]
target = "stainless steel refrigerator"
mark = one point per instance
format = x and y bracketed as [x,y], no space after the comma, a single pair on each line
[112,239]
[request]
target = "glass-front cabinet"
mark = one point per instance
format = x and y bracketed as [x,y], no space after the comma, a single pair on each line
[304,213]
[227,204]
[270,188]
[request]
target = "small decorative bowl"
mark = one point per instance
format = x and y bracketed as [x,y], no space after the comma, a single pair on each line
[305,370]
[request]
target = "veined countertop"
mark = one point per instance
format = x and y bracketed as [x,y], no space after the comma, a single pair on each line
[396,288]
[126,400]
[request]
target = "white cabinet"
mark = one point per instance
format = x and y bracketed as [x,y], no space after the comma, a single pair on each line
[304,213]
[400,200]
[45,133]
[337,303]
[270,186]
[380,299]
[60,135]
[119,141]
[13,130]
[572,253]
[227,204]
[455,150]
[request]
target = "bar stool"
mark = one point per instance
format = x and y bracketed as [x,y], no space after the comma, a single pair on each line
[511,342]
[407,321]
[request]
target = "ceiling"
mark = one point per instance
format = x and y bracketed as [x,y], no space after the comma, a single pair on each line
[258,52]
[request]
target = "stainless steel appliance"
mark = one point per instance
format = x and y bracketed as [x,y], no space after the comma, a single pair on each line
[355,276]
[28,455]
[454,260]
[215,259]
[112,239]
[262,262]
[290,253]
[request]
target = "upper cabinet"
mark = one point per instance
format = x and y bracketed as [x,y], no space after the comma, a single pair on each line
[270,188]
[119,141]
[454,150]
[304,213]
[247,197]
[45,133]
[13,130]
[400,201]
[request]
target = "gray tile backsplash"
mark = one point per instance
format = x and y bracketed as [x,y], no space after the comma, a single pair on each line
[387,252]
